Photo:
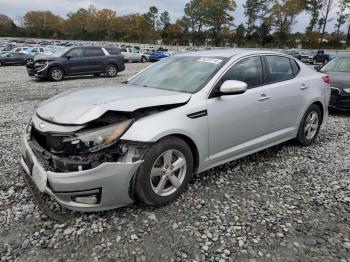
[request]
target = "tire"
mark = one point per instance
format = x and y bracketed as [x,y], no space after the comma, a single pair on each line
[56,74]
[29,62]
[143,59]
[111,71]
[309,128]
[148,188]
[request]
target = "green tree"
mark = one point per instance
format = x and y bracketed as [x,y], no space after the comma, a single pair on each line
[7,26]
[218,15]
[152,16]
[255,10]
[43,24]
[195,13]
[283,16]
[240,35]
[313,8]
[342,14]
[326,7]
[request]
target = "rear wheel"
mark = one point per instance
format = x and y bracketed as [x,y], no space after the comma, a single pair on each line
[165,173]
[111,71]
[310,126]
[56,74]
[143,59]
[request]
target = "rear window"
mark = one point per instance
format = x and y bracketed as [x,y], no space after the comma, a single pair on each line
[295,67]
[113,50]
[279,68]
[92,52]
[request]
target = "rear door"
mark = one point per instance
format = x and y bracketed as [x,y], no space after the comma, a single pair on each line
[94,58]
[288,94]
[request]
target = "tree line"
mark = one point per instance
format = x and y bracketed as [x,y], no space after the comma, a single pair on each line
[269,23]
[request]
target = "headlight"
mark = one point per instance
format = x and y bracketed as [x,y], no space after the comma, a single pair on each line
[347,90]
[100,138]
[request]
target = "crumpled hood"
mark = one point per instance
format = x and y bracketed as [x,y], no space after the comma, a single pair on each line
[79,106]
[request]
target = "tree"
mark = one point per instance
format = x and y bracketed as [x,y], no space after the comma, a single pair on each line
[152,16]
[42,24]
[283,14]
[195,13]
[326,8]
[255,10]
[313,7]
[7,26]
[239,37]
[217,16]
[342,14]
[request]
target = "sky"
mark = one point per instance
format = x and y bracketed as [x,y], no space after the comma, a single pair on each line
[16,8]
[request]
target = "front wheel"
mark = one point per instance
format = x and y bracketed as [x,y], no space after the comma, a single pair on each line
[165,173]
[309,126]
[56,74]
[111,71]
[143,59]
[29,62]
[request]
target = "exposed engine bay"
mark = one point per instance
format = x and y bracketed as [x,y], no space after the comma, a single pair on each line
[95,143]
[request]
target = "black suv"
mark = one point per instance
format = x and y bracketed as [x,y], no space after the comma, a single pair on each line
[72,61]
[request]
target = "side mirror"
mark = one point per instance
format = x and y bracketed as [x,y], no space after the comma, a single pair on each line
[318,68]
[68,57]
[233,87]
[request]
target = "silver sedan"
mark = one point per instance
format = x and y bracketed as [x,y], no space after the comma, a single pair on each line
[101,148]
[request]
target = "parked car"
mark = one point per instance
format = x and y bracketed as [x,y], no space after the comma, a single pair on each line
[294,53]
[101,148]
[158,55]
[339,73]
[307,57]
[321,57]
[133,55]
[15,58]
[74,61]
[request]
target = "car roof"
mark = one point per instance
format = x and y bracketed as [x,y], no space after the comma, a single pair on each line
[230,52]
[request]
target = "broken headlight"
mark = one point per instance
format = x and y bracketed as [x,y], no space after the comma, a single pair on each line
[100,138]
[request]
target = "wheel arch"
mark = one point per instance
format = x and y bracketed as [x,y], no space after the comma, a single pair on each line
[320,105]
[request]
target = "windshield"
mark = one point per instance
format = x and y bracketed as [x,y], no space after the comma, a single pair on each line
[60,52]
[183,74]
[341,64]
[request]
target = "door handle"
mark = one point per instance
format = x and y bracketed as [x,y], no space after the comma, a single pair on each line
[263,98]
[304,87]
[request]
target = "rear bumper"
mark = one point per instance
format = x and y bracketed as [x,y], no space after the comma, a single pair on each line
[109,183]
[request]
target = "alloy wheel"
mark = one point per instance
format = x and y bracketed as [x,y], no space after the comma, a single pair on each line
[168,172]
[112,71]
[56,74]
[311,125]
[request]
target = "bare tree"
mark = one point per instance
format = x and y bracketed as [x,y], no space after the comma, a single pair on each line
[326,7]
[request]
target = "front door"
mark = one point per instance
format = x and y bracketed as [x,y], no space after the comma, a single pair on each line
[239,123]
[75,63]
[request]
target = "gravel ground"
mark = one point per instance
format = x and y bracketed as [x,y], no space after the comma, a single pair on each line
[286,203]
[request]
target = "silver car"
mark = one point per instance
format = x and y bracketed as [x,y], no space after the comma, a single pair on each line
[101,148]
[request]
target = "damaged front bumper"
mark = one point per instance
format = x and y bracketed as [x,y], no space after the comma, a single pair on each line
[104,187]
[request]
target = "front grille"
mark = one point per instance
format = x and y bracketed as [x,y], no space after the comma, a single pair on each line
[334,94]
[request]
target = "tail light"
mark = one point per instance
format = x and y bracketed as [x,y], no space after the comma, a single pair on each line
[326,79]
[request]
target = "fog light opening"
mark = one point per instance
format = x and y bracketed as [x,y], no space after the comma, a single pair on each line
[89,199]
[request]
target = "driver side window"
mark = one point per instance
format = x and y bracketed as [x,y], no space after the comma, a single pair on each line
[248,70]
[75,53]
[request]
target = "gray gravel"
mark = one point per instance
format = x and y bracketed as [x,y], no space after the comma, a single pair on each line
[286,203]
